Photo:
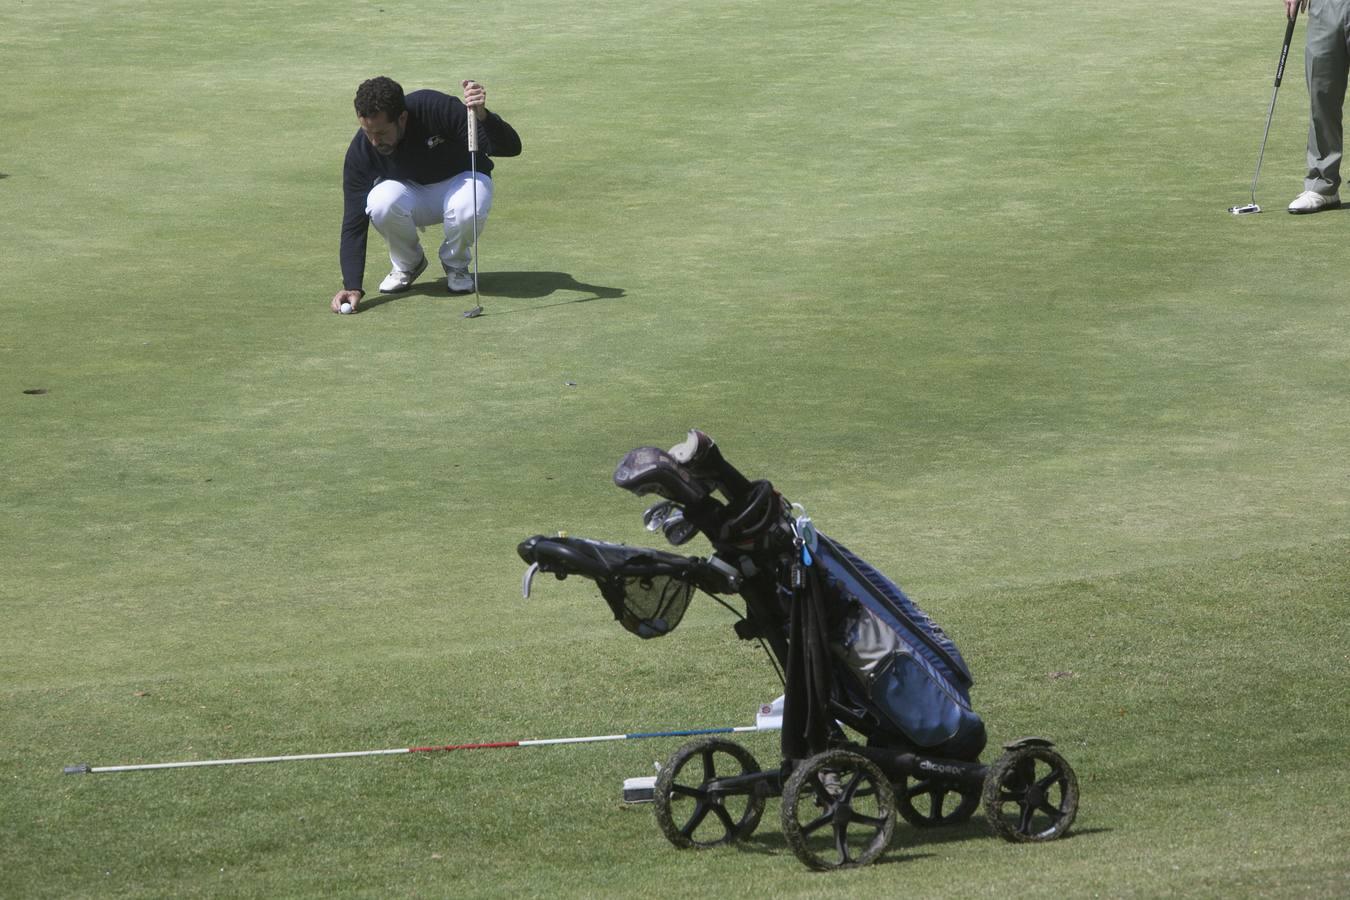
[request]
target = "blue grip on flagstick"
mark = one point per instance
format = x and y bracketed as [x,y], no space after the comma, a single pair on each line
[693,733]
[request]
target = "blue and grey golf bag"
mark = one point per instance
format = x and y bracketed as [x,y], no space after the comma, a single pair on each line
[854,654]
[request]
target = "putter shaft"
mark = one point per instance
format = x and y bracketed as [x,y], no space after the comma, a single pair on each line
[473,179]
[1270,114]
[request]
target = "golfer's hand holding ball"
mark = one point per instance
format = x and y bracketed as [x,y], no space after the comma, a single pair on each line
[348,299]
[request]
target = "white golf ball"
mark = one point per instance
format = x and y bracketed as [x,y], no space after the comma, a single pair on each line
[346,309]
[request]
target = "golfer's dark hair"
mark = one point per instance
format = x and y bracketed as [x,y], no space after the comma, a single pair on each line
[379,95]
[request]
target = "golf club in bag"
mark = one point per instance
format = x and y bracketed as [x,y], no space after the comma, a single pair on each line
[1250,208]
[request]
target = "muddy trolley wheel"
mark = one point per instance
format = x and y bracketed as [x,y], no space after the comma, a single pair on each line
[838,811]
[925,803]
[692,810]
[1030,794]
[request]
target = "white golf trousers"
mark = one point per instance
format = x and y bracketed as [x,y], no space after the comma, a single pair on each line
[398,209]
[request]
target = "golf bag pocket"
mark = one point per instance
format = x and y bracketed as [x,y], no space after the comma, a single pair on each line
[648,606]
[902,685]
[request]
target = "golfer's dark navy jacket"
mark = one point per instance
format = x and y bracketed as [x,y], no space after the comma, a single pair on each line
[435,146]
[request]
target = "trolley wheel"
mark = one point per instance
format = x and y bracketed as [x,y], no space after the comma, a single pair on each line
[691,810]
[1030,794]
[925,803]
[838,810]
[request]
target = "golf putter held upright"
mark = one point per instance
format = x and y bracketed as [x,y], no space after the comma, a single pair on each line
[473,177]
[1249,208]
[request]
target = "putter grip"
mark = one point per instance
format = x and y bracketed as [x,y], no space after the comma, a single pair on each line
[473,132]
[1284,51]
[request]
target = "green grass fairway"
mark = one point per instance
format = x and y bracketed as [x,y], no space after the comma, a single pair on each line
[958,278]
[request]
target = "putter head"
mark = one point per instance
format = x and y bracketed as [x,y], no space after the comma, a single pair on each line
[474,313]
[1246,209]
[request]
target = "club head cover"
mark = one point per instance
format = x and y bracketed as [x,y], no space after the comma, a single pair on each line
[700,455]
[651,470]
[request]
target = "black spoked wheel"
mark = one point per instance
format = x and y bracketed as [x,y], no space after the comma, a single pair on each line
[925,803]
[838,811]
[694,808]
[1031,794]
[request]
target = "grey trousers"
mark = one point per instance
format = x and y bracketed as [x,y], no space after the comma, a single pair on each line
[1328,62]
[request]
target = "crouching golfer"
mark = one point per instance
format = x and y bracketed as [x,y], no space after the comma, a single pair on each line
[408,166]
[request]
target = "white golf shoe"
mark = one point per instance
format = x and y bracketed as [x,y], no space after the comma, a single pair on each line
[1311,202]
[398,281]
[458,281]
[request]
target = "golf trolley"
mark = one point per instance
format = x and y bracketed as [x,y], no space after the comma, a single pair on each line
[853,652]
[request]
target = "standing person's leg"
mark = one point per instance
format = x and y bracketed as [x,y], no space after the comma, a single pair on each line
[458,215]
[1327,62]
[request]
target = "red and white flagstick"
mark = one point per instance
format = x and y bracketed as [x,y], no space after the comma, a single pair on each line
[86,769]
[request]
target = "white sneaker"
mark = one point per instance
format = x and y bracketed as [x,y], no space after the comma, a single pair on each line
[1311,202]
[458,281]
[398,281]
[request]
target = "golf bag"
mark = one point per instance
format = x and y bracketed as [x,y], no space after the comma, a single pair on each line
[852,647]
[853,652]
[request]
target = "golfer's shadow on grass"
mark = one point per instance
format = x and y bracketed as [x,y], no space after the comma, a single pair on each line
[507,285]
